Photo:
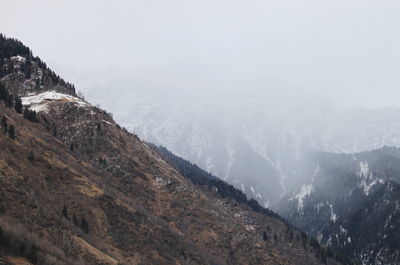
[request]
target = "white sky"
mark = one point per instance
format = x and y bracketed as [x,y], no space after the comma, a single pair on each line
[348,50]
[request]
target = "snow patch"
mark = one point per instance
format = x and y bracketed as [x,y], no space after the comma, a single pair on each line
[40,102]
[18,58]
[107,122]
[305,191]
[333,215]
[366,176]
[364,169]
[367,188]
[318,206]
[250,227]
[343,230]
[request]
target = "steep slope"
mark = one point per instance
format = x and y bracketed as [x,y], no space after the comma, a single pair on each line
[352,203]
[202,178]
[76,188]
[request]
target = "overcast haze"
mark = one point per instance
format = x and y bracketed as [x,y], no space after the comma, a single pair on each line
[346,50]
[244,89]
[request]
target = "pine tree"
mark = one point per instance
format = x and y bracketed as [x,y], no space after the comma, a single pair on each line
[3,92]
[30,115]
[37,84]
[265,237]
[84,225]
[18,105]
[28,71]
[291,236]
[31,156]
[65,212]
[4,124]
[11,132]
[9,100]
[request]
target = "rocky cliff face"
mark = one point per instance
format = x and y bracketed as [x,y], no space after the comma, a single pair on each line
[76,188]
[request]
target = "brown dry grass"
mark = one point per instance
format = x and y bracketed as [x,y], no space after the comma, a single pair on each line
[19,240]
[106,259]
[17,260]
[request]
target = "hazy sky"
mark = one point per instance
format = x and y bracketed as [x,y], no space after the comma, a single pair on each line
[348,50]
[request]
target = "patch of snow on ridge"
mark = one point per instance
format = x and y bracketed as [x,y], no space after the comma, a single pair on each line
[18,58]
[305,191]
[333,215]
[366,176]
[364,169]
[367,188]
[40,101]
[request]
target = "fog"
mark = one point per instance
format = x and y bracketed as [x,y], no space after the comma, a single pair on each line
[344,50]
[242,88]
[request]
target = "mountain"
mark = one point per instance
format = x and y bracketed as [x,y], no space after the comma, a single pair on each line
[351,202]
[253,143]
[76,188]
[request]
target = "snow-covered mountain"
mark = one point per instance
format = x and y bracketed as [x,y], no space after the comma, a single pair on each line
[252,143]
[350,202]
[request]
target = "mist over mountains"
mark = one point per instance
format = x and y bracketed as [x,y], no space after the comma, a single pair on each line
[200,132]
[77,188]
[300,156]
[254,143]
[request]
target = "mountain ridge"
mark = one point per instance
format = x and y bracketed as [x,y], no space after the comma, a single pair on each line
[352,203]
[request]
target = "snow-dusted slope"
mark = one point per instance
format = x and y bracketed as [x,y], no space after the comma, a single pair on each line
[350,203]
[39,102]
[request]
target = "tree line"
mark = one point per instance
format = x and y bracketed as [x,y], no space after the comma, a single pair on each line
[13,101]
[10,47]
[200,177]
